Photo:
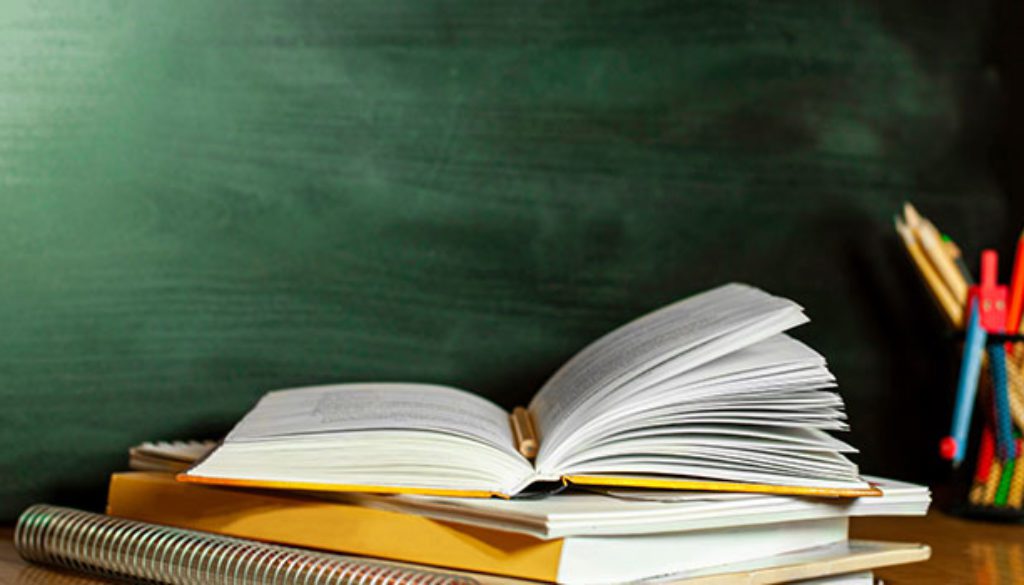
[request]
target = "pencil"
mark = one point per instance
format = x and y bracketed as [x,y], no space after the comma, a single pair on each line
[1016,495]
[1004,483]
[1016,304]
[1001,399]
[931,241]
[977,493]
[986,450]
[936,252]
[950,308]
[911,216]
[958,258]
[1015,383]
[992,483]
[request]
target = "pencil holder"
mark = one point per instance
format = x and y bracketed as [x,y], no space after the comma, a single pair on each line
[991,485]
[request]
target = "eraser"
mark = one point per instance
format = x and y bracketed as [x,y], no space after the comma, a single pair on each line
[947,448]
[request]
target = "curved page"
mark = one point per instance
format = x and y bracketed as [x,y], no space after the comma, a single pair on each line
[691,332]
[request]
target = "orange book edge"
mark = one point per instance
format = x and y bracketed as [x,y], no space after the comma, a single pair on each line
[335,487]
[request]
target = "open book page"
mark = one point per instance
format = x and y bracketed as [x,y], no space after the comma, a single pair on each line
[779,372]
[412,438]
[767,429]
[732,400]
[655,347]
[376,406]
[780,358]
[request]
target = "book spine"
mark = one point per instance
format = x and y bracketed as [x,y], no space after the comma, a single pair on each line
[125,549]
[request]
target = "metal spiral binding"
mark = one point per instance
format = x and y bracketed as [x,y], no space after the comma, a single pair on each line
[118,548]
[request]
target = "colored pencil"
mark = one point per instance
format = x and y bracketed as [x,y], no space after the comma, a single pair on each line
[958,258]
[1016,303]
[1016,496]
[1007,447]
[938,255]
[931,242]
[992,483]
[976,493]
[1004,483]
[986,450]
[911,216]
[943,297]
[1015,382]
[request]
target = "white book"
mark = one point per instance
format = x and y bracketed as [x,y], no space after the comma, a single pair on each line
[618,559]
[622,512]
[706,393]
[861,578]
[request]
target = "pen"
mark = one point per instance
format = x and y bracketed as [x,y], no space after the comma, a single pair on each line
[954,446]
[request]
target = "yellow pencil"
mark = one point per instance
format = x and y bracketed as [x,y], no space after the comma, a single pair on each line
[937,251]
[992,483]
[1015,383]
[944,264]
[952,309]
[958,258]
[952,249]
[911,216]
[977,493]
[1016,495]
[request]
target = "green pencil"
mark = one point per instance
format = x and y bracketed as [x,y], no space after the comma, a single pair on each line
[1004,484]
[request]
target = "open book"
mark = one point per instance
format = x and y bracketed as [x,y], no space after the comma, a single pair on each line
[707,393]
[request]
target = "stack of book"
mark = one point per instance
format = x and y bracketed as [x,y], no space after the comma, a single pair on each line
[606,536]
[689,445]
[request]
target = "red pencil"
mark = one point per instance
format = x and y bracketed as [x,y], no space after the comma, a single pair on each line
[985,453]
[1013,312]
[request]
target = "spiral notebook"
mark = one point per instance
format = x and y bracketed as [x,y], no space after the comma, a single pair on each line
[139,552]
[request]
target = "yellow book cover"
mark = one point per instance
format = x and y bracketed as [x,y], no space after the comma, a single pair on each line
[331,526]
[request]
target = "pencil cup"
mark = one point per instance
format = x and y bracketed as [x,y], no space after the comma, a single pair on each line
[995,485]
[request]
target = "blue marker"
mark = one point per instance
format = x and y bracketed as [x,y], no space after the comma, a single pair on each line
[954,446]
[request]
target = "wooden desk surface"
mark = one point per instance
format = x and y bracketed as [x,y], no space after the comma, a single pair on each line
[962,552]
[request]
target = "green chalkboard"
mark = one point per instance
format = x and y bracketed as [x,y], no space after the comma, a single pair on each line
[202,201]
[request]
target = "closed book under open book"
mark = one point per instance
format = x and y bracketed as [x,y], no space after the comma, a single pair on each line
[569,537]
[308,522]
[708,393]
